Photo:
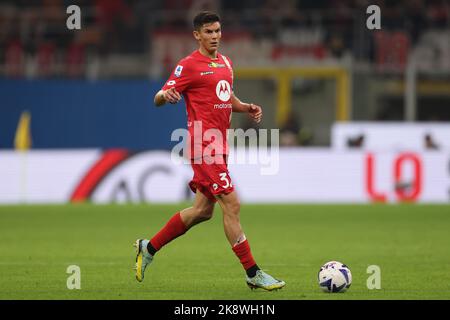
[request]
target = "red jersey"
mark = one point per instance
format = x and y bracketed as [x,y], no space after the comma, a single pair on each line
[206,85]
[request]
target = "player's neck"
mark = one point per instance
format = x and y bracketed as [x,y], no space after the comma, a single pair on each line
[208,54]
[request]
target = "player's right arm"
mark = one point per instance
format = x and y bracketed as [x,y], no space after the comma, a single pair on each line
[170,95]
[178,81]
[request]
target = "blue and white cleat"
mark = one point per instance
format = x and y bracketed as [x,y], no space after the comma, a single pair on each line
[264,281]
[143,258]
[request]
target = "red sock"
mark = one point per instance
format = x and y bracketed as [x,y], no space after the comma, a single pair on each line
[173,229]
[243,252]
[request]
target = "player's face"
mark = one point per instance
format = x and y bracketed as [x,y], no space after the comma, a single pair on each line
[209,36]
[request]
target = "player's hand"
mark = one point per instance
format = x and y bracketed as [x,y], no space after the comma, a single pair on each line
[255,112]
[172,95]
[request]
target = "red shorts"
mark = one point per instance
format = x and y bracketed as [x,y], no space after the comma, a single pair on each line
[211,179]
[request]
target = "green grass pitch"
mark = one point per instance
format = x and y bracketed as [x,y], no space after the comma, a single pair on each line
[410,243]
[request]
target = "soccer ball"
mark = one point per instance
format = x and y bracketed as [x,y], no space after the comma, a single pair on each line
[334,277]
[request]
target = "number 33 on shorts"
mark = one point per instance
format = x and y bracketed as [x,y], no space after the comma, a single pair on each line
[226,181]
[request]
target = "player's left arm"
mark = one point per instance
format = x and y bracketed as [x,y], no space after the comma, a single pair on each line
[253,110]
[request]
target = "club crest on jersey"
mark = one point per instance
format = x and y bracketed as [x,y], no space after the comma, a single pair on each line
[216,65]
[223,90]
[178,70]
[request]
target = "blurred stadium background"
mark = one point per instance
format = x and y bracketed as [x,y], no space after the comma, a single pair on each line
[324,79]
[364,117]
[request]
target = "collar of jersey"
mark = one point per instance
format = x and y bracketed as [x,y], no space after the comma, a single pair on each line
[204,58]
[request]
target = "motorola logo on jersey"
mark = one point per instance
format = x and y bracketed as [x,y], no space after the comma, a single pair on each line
[223,90]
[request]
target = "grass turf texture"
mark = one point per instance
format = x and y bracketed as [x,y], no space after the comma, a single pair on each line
[410,243]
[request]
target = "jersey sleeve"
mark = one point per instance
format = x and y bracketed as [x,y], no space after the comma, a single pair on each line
[179,78]
[229,64]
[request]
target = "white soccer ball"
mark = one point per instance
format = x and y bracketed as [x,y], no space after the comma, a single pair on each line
[334,277]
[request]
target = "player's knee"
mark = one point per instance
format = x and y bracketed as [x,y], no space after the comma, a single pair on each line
[204,213]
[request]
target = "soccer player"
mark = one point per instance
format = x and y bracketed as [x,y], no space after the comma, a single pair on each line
[205,79]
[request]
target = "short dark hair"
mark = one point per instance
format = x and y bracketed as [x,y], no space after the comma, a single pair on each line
[205,17]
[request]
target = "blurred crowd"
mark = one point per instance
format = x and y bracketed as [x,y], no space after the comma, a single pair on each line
[33,32]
